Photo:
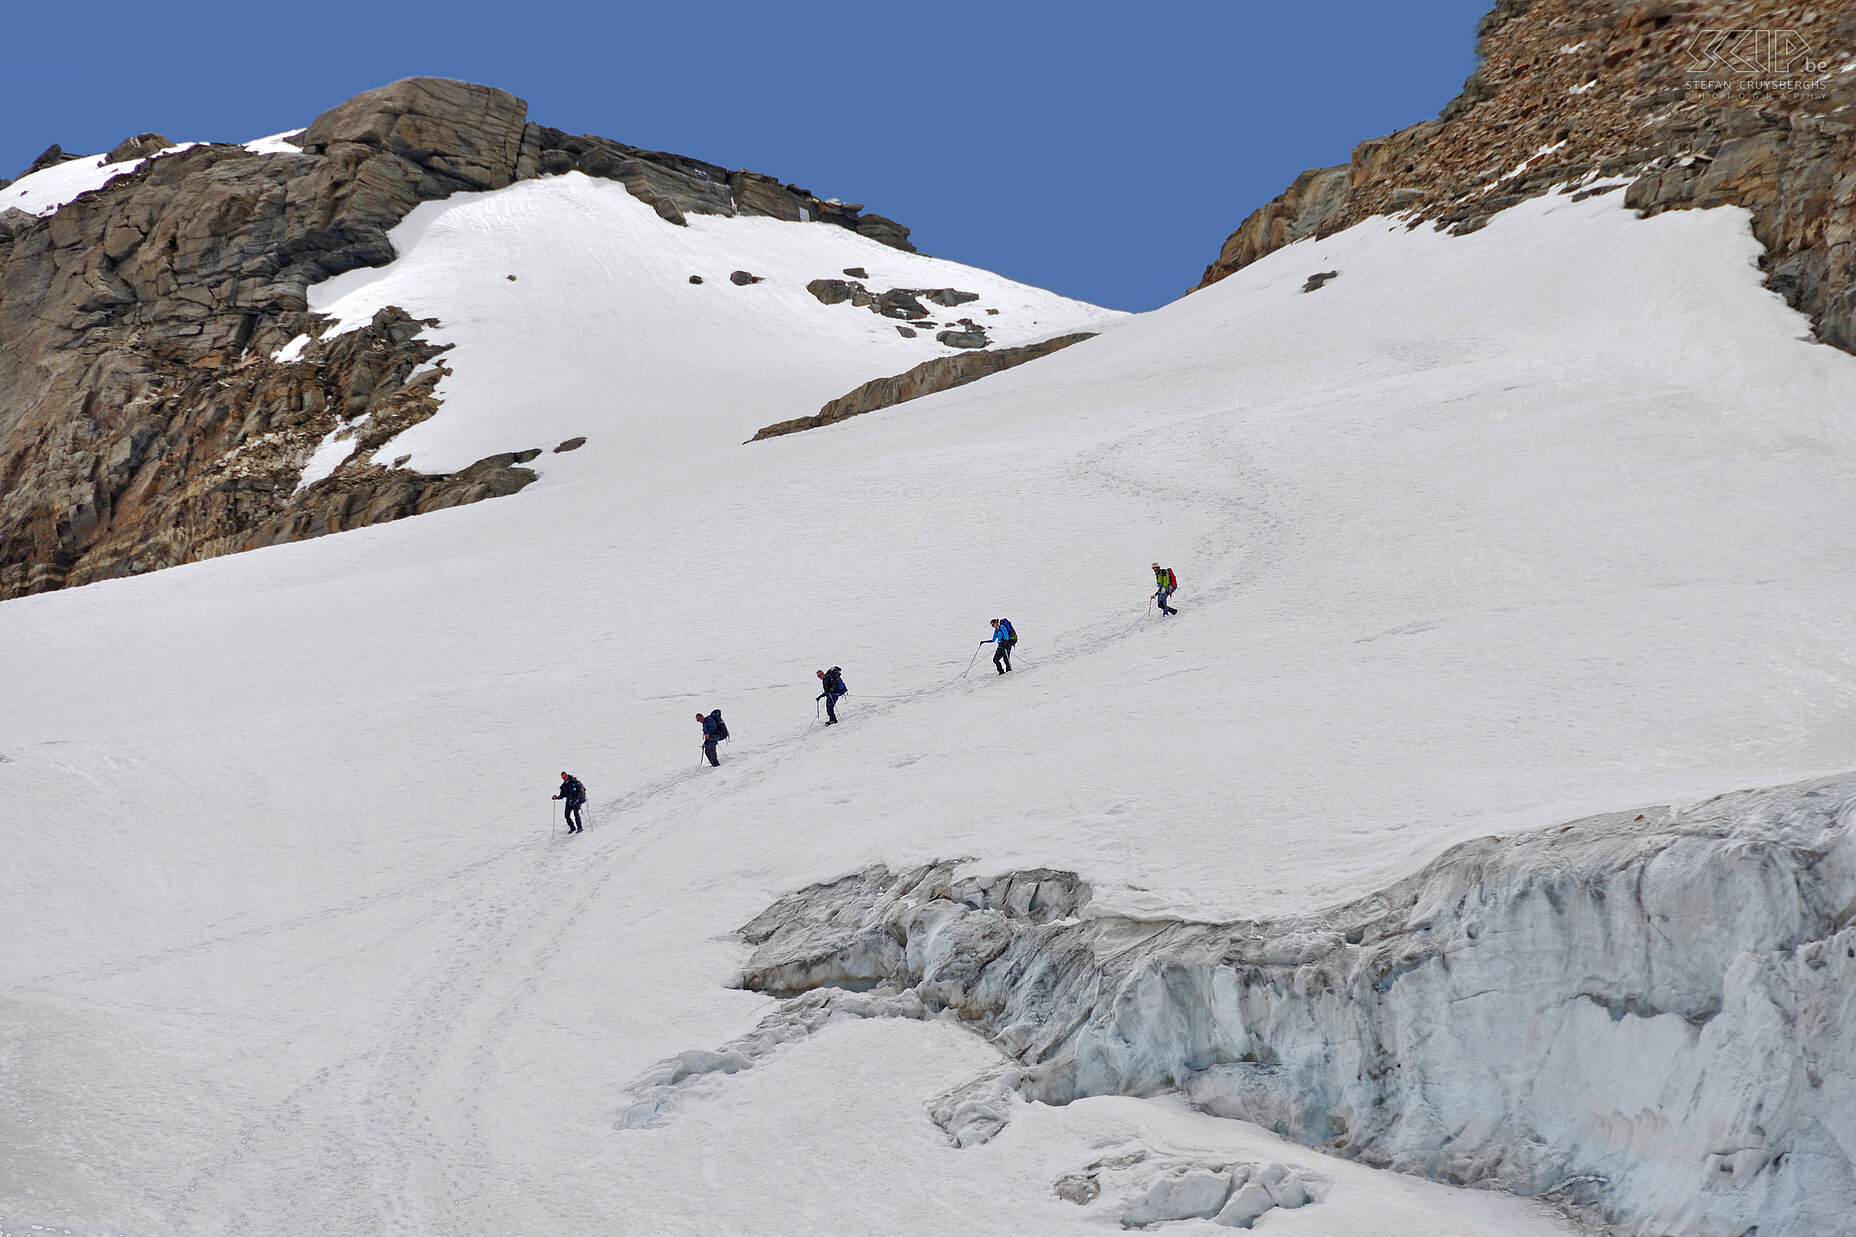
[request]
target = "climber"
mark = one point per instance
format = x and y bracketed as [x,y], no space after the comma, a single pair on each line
[714,730]
[575,794]
[1164,584]
[833,679]
[1004,638]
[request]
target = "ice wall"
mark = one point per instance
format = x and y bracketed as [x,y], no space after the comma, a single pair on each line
[1642,1016]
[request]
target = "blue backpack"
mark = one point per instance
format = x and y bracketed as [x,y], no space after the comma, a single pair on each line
[1011,632]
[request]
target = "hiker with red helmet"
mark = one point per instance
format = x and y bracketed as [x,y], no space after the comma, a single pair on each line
[575,795]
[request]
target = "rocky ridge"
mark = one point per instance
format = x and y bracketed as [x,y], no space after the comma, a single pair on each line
[1685,103]
[939,374]
[146,418]
[1638,1017]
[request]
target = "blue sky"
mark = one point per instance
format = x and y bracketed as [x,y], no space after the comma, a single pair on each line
[1102,150]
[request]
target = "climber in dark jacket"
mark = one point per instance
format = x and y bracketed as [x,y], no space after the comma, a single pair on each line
[711,733]
[833,679]
[575,795]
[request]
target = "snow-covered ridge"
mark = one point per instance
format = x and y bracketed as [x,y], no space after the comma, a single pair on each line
[1641,1013]
[47,189]
[577,310]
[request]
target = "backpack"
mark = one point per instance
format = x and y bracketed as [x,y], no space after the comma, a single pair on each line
[721,727]
[1011,632]
[834,682]
[575,790]
[1171,581]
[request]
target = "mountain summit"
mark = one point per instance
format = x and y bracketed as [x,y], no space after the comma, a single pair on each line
[1679,104]
[182,383]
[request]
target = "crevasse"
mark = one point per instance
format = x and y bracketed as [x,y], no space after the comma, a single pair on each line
[1642,1016]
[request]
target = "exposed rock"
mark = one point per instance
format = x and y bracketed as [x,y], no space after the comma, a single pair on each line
[695,278]
[907,332]
[1644,1011]
[140,146]
[903,303]
[156,428]
[52,156]
[940,374]
[832,291]
[1671,97]
[742,279]
[572,444]
[203,460]
[13,221]
[885,232]
[456,135]
[1316,282]
[376,496]
[970,336]
[674,185]
[900,303]
[856,272]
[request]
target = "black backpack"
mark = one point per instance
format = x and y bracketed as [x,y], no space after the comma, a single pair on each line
[721,727]
[1011,632]
[834,681]
[575,790]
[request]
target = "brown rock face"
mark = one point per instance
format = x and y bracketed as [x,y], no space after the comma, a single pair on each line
[1696,102]
[138,147]
[143,421]
[940,374]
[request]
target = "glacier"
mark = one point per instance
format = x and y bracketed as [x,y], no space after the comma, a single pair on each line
[1489,534]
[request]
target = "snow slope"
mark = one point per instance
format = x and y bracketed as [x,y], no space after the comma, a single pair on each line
[1489,533]
[44,191]
[571,306]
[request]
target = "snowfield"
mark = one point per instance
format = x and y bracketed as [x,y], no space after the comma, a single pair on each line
[1488,534]
[571,306]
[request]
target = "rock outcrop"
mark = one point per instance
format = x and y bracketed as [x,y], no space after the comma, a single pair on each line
[1640,1017]
[146,418]
[1693,103]
[903,303]
[940,374]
